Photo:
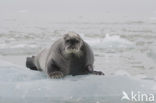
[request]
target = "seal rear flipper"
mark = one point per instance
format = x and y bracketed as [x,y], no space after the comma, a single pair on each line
[30,63]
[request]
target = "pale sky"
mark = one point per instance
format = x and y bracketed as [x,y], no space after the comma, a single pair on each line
[83,8]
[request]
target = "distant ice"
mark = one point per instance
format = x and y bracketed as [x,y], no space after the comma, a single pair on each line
[113,43]
[152,53]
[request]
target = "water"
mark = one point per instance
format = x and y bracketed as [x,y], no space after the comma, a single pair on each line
[123,40]
[128,46]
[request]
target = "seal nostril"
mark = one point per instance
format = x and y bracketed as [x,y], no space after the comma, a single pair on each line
[72,47]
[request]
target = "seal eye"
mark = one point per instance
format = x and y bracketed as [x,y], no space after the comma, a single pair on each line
[67,41]
[72,41]
[76,41]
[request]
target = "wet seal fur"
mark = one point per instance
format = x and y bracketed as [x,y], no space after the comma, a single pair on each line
[70,55]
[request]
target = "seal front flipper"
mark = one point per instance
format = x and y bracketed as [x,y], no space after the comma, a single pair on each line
[54,71]
[90,70]
[30,63]
[56,75]
[98,73]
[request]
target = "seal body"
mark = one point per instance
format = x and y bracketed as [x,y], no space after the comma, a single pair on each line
[69,55]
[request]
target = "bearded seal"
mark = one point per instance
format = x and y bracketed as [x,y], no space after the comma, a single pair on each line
[70,55]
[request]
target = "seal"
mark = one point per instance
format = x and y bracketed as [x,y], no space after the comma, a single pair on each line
[69,55]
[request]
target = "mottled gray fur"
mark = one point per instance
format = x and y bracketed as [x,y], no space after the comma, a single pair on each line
[69,55]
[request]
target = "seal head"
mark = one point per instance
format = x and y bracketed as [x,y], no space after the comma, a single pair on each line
[72,44]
